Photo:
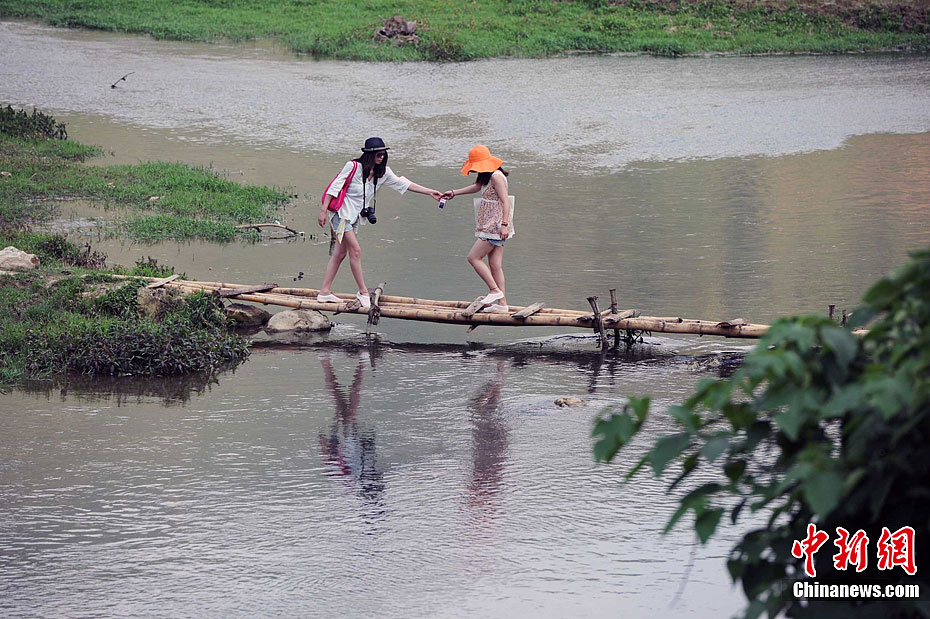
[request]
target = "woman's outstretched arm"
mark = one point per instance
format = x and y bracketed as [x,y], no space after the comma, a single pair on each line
[473,188]
[424,190]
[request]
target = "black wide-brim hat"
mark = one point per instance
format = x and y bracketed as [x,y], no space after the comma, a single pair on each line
[373,144]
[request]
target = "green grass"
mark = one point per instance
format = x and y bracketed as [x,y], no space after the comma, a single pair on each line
[52,325]
[455,30]
[155,201]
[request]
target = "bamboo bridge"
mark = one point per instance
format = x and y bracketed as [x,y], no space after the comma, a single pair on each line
[629,321]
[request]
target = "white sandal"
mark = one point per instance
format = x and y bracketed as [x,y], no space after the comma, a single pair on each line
[364,299]
[328,298]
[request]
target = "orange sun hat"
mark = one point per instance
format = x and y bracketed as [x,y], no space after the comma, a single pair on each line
[480,160]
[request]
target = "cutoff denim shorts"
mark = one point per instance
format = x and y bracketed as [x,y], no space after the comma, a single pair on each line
[334,222]
[494,242]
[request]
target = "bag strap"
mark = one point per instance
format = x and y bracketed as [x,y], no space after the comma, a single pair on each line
[351,174]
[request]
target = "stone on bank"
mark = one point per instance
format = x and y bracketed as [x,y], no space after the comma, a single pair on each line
[12,259]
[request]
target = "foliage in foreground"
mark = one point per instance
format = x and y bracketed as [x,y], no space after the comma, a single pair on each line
[35,126]
[90,323]
[164,200]
[452,30]
[818,426]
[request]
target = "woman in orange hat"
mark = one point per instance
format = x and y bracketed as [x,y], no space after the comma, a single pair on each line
[493,222]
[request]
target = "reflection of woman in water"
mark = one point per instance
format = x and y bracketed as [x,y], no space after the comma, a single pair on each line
[489,443]
[351,453]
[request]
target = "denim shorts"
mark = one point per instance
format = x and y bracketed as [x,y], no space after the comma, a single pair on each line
[334,222]
[494,242]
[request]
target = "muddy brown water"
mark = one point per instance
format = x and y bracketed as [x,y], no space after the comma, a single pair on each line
[429,472]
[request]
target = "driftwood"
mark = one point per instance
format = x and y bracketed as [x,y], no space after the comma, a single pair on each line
[374,312]
[613,310]
[598,323]
[274,225]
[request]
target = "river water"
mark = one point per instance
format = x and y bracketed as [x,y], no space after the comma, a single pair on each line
[427,471]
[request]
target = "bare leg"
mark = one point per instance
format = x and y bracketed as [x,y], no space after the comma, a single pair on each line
[355,259]
[476,259]
[496,262]
[332,267]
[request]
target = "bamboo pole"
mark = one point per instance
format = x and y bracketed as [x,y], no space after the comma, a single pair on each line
[443,314]
[385,299]
[454,316]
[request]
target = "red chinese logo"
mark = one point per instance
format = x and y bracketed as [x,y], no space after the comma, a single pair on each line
[894,549]
[808,547]
[897,549]
[852,550]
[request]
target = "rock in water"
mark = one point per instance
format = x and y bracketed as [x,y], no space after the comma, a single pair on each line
[298,320]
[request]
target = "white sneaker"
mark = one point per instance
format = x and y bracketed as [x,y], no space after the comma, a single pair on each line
[495,309]
[364,299]
[492,297]
[328,298]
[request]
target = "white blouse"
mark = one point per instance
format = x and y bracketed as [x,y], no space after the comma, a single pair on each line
[352,206]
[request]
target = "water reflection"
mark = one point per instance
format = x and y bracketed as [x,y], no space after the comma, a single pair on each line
[490,435]
[171,391]
[348,451]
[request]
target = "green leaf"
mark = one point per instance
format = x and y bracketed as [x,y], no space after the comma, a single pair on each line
[881,294]
[735,512]
[843,344]
[682,509]
[706,523]
[735,469]
[822,491]
[637,468]
[715,446]
[846,398]
[639,407]
[685,416]
[889,394]
[790,422]
[687,468]
[666,449]
[615,432]
[739,415]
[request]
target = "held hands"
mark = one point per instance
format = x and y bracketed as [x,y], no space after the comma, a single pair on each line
[448,195]
[435,194]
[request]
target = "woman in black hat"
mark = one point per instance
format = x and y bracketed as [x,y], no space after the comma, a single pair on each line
[372,173]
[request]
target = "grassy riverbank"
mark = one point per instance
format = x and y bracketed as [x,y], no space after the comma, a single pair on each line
[56,321]
[75,316]
[150,201]
[452,30]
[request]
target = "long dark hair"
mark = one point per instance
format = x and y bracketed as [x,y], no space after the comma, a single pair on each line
[368,162]
[485,177]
